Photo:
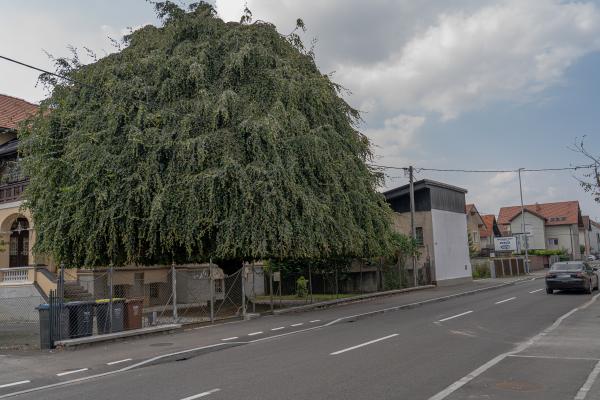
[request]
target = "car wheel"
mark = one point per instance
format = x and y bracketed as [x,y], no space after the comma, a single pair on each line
[549,291]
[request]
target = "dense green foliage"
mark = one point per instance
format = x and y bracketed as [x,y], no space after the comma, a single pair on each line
[200,139]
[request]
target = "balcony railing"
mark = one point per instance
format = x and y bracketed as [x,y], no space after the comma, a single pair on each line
[10,192]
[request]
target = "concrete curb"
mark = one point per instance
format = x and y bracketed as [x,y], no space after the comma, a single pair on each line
[365,297]
[110,337]
[346,300]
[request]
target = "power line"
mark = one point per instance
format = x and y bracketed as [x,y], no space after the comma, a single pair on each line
[43,70]
[486,171]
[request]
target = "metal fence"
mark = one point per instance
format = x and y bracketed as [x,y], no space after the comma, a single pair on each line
[287,287]
[19,322]
[99,302]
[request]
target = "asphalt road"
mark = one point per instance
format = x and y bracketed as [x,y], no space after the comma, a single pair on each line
[456,349]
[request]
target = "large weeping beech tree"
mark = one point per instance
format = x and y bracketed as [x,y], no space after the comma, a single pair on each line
[200,139]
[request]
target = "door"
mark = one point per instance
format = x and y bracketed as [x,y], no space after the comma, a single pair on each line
[19,243]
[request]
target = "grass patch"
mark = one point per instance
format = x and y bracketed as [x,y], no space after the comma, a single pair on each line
[320,297]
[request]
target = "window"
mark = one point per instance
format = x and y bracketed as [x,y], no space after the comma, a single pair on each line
[120,291]
[475,236]
[419,235]
[552,242]
[154,290]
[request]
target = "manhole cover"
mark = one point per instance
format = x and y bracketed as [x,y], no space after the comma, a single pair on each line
[519,386]
[161,344]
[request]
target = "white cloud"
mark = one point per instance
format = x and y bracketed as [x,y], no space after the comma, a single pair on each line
[502,178]
[397,135]
[507,51]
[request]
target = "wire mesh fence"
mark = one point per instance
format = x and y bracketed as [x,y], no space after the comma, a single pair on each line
[19,322]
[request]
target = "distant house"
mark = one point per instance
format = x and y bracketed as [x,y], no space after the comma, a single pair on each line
[584,235]
[474,225]
[549,226]
[489,231]
[441,227]
[594,238]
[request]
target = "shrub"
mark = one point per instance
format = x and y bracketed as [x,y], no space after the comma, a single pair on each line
[301,287]
[481,271]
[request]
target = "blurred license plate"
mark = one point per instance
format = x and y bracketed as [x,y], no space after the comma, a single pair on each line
[564,276]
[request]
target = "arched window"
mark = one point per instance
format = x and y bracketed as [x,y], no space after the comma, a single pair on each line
[19,243]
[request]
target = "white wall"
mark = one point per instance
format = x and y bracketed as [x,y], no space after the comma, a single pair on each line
[567,238]
[535,225]
[450,245]
[595,240]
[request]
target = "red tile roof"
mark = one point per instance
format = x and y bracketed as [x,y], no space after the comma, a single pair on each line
[488,229]
[13,111]
[562,213]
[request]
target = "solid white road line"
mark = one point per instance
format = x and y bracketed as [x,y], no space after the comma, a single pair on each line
[505,300]
[300,324]
[314,320]
[278,328]
[494,361]
[585,389]
[535,291]
[455,316]
[554,357]
[197,396]
[13,384]
[255,333]
[335,353]
[118,362]
[229,338]
[72,372]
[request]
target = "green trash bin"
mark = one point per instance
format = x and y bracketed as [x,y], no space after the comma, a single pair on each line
[103,318]
[81,318]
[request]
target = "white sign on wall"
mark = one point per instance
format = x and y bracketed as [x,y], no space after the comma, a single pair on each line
[505,244]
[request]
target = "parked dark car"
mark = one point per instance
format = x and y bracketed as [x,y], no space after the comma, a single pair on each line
[572,275]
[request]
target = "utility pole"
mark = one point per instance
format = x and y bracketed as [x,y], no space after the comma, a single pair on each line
[523,233]
[413,230]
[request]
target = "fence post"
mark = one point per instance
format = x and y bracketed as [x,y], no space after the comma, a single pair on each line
[310,283]
[110,301]
[61,301]
[174,290]
[271,286]
[337,287]
[253,290]
[243,280]
[212,292]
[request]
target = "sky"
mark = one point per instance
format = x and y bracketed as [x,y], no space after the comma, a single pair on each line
[452,84]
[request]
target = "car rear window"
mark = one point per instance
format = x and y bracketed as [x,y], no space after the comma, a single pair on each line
[566,267]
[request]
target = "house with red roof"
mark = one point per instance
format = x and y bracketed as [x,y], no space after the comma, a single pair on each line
[594,238]
[474,225]
[15,224]
[488,232]
[548,226]
[589,236]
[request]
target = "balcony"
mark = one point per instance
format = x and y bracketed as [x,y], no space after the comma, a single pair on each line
[11,192]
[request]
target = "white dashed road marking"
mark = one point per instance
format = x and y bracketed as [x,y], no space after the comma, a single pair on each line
[505,300]
[335,353]
[229,338]
[455,316]
[13,384]
[255,333]
[315,320]
[300,324]
[118,362]
[197,396]
[278,328]
[72,372]
[535,291]
[583,392]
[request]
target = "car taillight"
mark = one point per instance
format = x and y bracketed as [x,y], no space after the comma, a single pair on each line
[577,275]
[549,275]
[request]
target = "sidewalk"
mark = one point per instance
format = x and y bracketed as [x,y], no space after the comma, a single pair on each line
[113,355]
[563,362]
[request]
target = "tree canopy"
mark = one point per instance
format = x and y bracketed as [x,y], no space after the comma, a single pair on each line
[200,139]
